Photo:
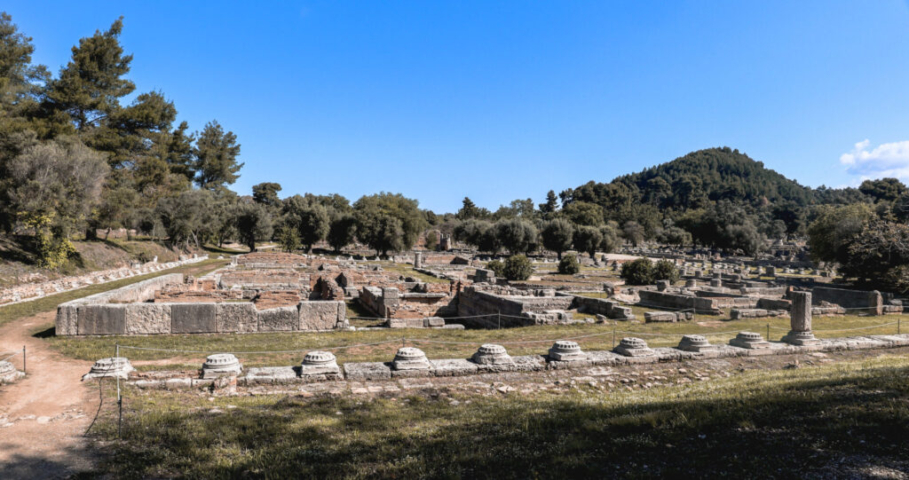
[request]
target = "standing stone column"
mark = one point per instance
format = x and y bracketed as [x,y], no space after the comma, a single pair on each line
[800,320]
[417,259]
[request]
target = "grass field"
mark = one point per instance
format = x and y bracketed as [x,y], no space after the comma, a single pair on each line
[846,419]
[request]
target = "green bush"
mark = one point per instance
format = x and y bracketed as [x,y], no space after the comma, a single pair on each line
[517,267]
[569,264]
[638,272]
[666,270]
[498,267]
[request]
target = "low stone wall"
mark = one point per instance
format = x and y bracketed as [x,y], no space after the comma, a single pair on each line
[672,301]
[28,292]
[602,306]
[381,371]
[126,311]
[862,301]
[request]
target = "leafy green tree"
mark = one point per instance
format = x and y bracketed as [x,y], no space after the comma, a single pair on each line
[588,239]
[117,209]
[583,213]
[551,205]
[569,265]
[675,236]
[557,235]
[665,270]
[216,153]
[254,224]
[468,210]
[288,238]
[518,236]
[638,272]
[266,193]
[835,229]
[611,241]
[383,216]
[342,231]
[885,189]
[498,267]
[186,217]
[53,186]
[91,84]
[517,268]
[313,224]
[633,232]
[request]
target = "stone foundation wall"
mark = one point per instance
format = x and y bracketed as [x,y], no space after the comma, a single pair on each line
[672,301]
[868,302]
[101,314]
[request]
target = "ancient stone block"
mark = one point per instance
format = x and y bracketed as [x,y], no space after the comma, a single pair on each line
[102,319]
[8,373]
[322,315]
[367,371]
[281,319]
[147,319]
[650,317]
[240,317]
[221,365]
[453,367]
[194,318]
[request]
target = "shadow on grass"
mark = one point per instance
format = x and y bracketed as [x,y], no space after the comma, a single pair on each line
[828,424]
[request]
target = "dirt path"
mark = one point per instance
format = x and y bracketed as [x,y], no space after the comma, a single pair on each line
[43,417]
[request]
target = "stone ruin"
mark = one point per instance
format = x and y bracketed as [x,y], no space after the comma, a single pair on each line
[8,373]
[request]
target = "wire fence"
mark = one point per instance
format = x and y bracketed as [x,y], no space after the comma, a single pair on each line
[9,355]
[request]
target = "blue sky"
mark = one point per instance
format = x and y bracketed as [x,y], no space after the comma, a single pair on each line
[506,100]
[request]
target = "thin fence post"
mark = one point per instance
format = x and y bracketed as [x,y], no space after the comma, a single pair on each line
[24,369]
[898,320]
[119,403]
[499,317]
[768,331]
[613,336]
[403,342]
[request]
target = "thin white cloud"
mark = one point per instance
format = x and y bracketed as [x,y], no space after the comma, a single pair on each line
[885,160]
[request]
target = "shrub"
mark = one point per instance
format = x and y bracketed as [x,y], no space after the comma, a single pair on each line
[569,265]
[498,267]
[666,270]
[638,272]
[517,267]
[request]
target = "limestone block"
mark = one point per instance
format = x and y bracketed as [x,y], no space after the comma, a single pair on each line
[67,320]
[102,319]
[367,371]
[148,318]
[8,373]
[280,319]
[194,318]
[695,343]
[651,317]
[453,367]
[269,375]
[237,318]
[322,315]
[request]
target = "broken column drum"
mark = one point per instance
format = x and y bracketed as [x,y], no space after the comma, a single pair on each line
[800,320]
[491,354]
[110,367]
[633,347]
[410,358]
[566,351]
[695,343]
[319,363]
[220,365]
[750,340]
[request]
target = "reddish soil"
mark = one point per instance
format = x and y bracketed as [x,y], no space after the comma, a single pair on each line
[44,416]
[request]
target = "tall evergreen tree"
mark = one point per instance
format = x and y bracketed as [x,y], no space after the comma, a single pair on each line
[216,155]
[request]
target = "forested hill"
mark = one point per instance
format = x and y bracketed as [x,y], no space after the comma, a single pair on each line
[694,181]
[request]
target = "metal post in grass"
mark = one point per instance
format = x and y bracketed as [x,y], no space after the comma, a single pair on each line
[499,317]
[613,336]
[768,331]
[24,369]
[898,320]
[119,403]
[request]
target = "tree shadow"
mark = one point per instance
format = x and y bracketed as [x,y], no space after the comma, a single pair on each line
[819,428]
